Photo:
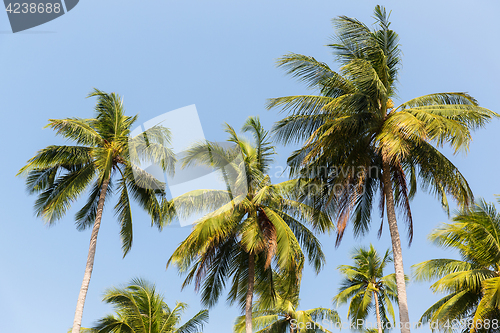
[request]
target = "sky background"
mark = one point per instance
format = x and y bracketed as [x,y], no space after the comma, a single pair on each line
[220,56]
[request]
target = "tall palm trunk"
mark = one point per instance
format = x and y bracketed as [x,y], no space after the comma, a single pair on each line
[249,298]
[377,311]
[404,320]
[77,322]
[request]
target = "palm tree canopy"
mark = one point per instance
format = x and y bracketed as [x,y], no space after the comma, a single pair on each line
[282,314]
[472,284]
[285,316]
[359,143]
[265,220]
[362,280]
[141,309]
[352,126]
[103,151]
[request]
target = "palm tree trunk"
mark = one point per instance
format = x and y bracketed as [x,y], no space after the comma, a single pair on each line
[77,322]
[249,298]
[377,311]
[404,319]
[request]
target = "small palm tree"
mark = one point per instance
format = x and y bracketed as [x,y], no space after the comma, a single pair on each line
[282,315]
[260,228]
[102,161]
[365,284]
[140,309]
[472,284]
[358,142]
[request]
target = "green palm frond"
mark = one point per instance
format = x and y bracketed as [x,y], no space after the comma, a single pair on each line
[124,214]
[194,324]
[283,314]
[301,105]
[308,241]
[82,131]
[297,128]
[315,74]
[141,309]
[63,157]
[438,268]
[53,203]
[471,285]
[261,137]
[86,330]
[320,314]
[365,78]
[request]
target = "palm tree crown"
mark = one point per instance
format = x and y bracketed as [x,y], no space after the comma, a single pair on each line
[357,142]
[140,309]
[354,123]
[367,288]
[257,230]
[472,284]
[104,153]
[282,315]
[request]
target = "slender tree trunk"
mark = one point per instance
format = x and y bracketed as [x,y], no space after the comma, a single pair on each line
[249,298]
[377,311]
[404,319]
[77,322]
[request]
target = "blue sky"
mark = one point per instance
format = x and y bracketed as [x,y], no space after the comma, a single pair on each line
[220,56]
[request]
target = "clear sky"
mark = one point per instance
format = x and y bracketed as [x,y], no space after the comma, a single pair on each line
[220,56]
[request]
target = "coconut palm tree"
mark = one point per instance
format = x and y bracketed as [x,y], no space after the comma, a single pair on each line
[357,142]
[259,228]
[283,316]
[140,309]
[367,288]
[104,160]
[472,283]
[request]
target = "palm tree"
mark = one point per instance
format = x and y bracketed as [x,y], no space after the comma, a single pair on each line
[359,143]
[140,309]
[472,284]
[282,315]
[103,160]
[364,284]
[257,229]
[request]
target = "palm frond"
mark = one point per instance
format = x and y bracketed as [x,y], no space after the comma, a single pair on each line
[82,131]
[194,324]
